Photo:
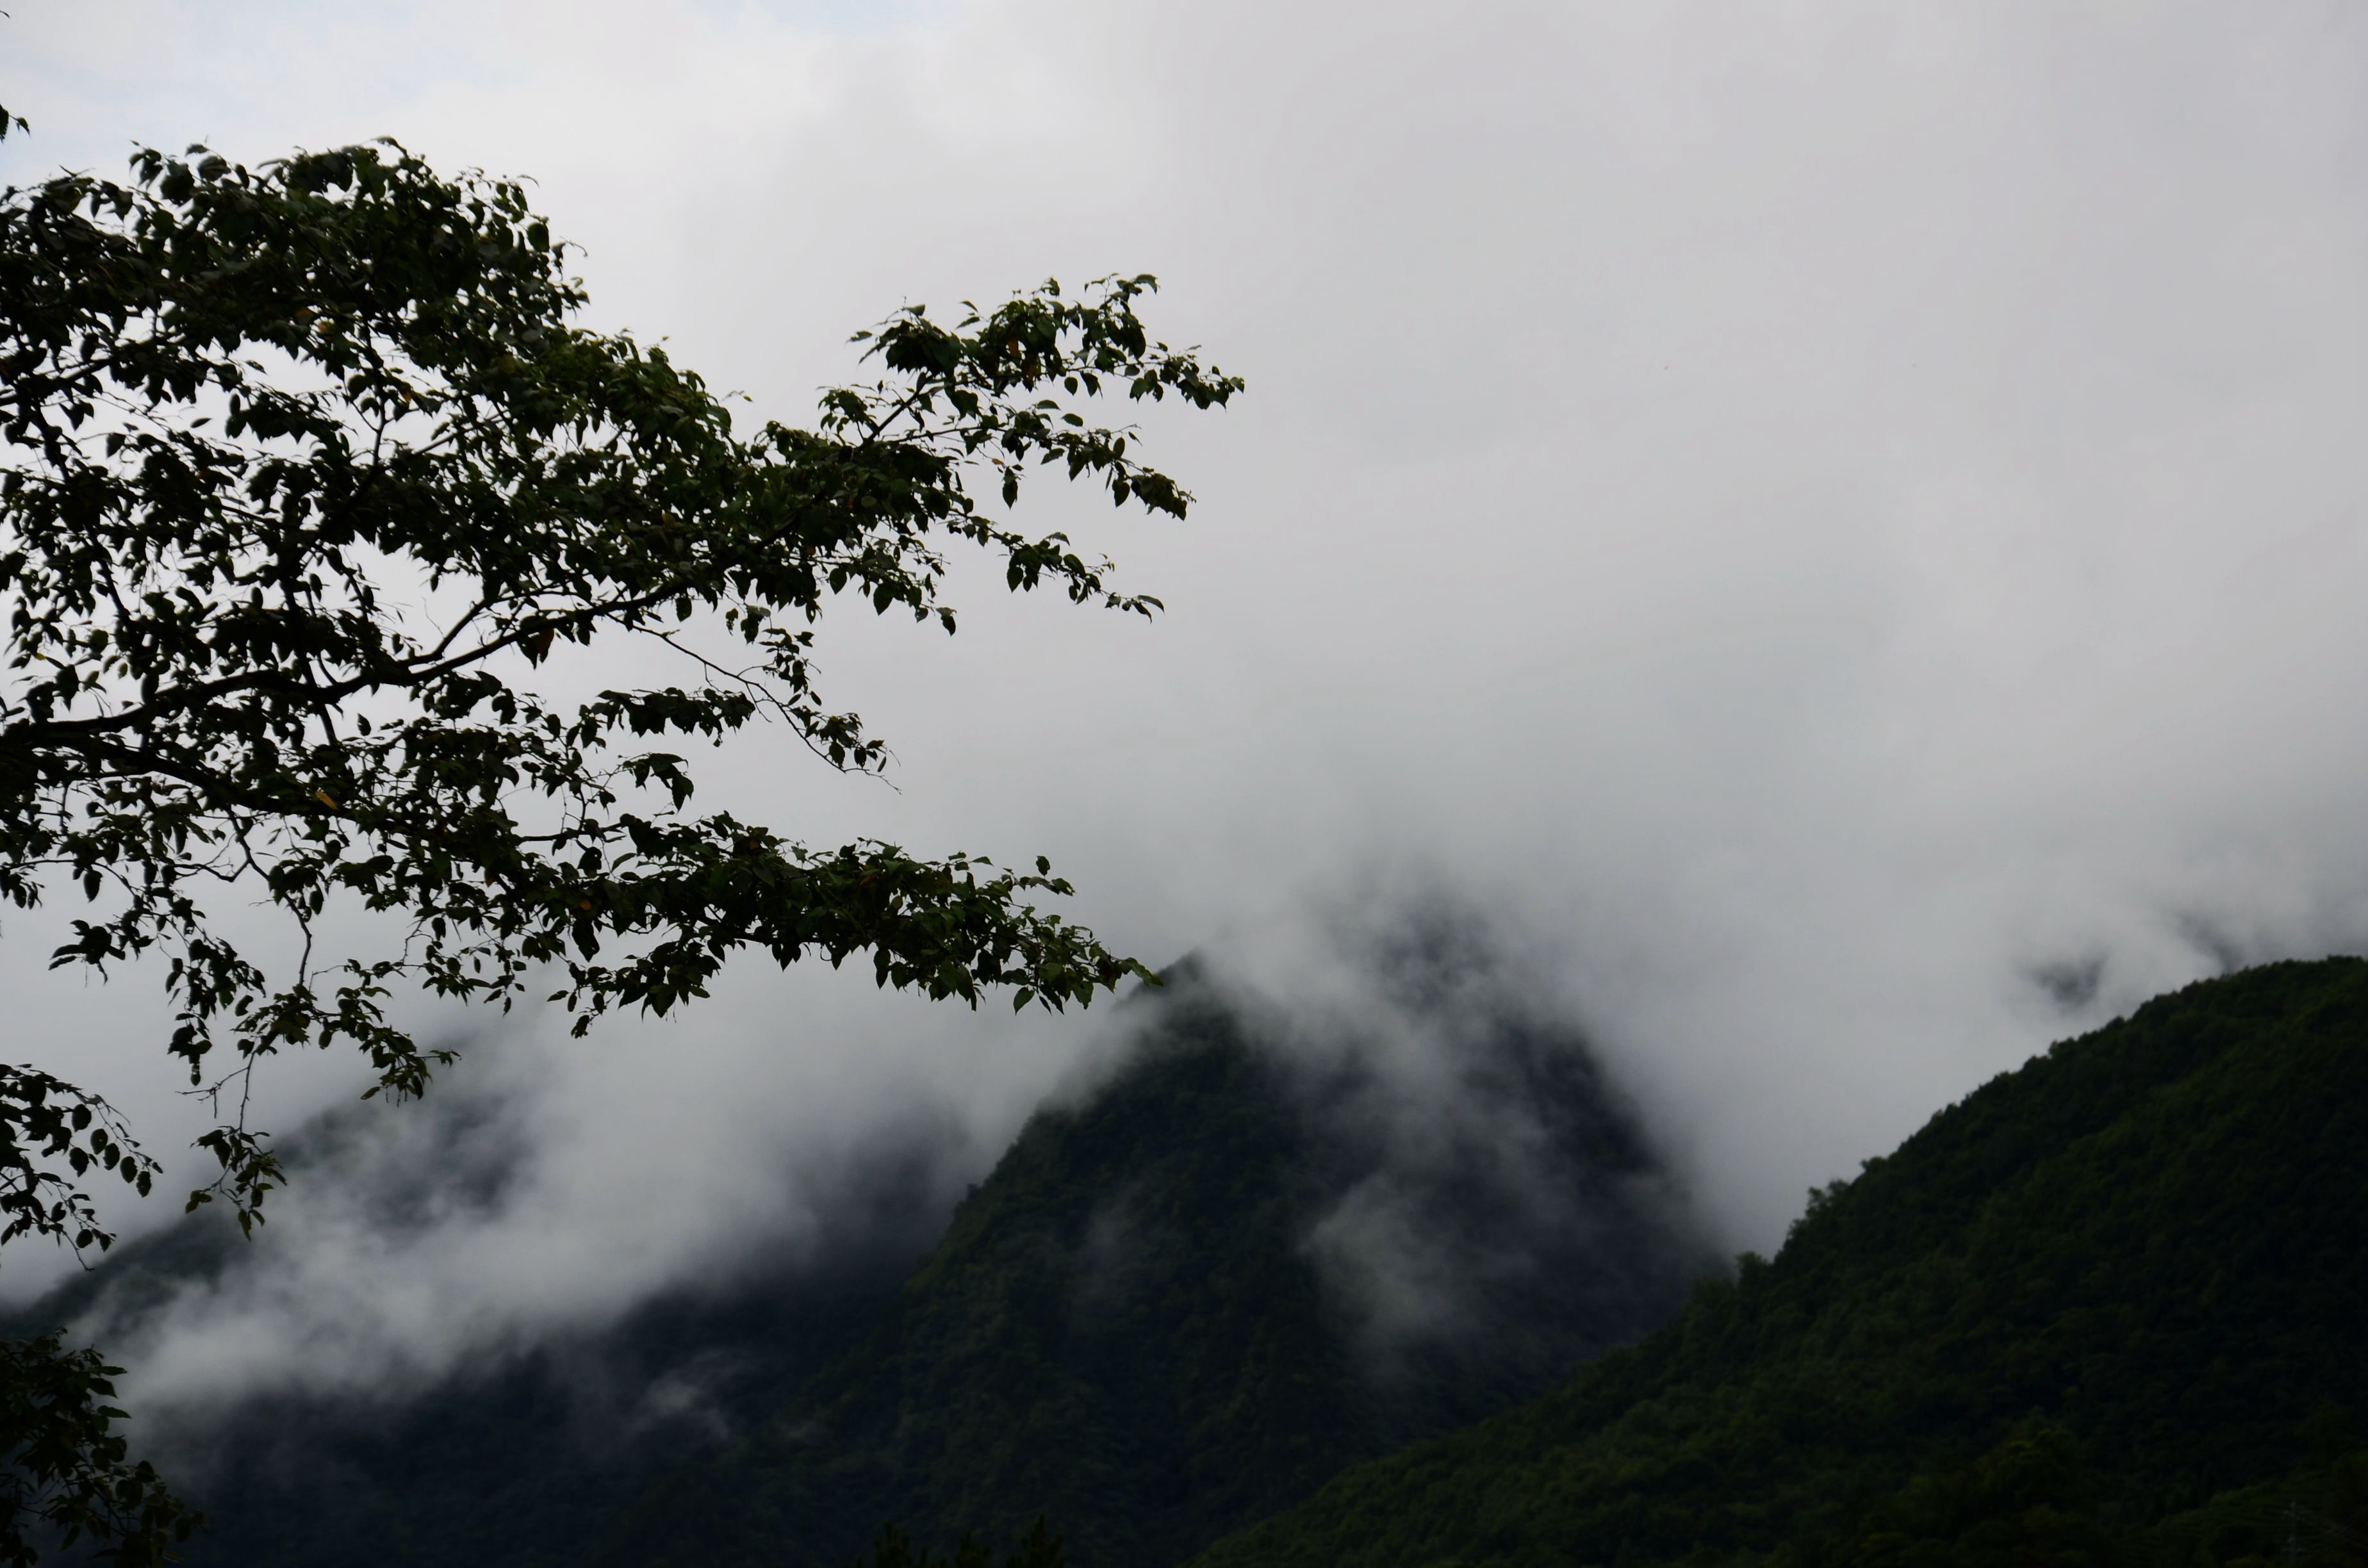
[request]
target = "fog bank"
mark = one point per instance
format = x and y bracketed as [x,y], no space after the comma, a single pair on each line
[1840,527]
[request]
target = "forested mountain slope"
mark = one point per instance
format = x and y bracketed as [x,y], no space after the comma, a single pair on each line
[1130,1328]
[2113,1306]
[1181,1301]
[519,1461]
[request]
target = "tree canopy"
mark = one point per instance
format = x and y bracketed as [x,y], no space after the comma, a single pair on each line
[307,469]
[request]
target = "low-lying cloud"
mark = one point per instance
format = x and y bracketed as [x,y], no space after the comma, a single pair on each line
[1840,527]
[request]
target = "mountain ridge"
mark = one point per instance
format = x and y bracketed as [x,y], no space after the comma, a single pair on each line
[2081,1308]
[1192,1289]
[1125,1330]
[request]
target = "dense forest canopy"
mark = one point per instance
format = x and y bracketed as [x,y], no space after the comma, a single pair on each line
[2106,1309]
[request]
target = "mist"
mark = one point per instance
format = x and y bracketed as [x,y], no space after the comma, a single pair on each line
[1838,528]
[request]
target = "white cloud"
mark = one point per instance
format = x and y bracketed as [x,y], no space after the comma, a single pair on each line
[1815,513]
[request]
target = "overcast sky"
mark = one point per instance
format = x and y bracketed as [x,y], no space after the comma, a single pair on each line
[1840,525]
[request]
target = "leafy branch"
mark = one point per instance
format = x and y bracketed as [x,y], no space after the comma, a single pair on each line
[306,472]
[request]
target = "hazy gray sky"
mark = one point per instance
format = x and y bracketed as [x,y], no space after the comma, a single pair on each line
[1821,516]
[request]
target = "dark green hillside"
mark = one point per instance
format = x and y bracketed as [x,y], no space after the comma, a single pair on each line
[516,1463]
[2111,1307]
[1125,1329]
[520,1465]
[1137,1325]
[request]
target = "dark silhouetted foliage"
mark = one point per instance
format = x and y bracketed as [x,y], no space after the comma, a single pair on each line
[66,1475]
[247,415]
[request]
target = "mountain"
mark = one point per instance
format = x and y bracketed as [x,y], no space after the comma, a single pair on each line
[521,1465]
[1187,1300]
[2111,1307]
[1277,1298]
[517,1461]
[1183,1300]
